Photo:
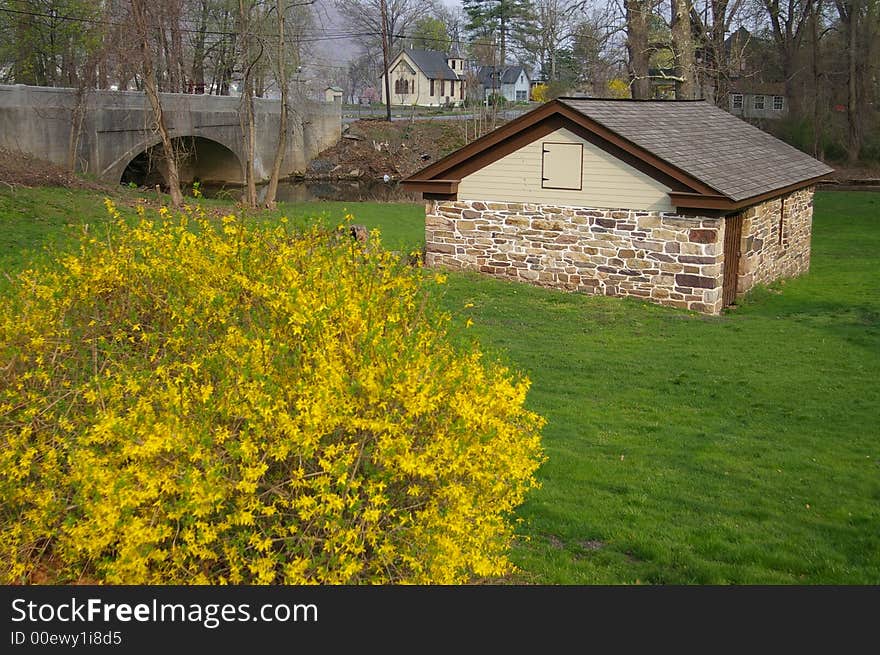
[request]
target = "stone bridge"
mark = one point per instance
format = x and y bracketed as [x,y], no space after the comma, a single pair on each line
[117,141]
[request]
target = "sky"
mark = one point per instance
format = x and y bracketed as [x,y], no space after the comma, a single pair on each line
[339,52]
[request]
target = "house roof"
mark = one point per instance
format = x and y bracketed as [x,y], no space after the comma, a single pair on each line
[733,157]
[432,63]
[737,39]
[757,88]
[708,157]
[509,75]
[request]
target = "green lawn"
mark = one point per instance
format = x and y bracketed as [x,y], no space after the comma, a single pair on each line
[682,448]
[32,219]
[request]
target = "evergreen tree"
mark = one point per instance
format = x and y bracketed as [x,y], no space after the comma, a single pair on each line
[502,20]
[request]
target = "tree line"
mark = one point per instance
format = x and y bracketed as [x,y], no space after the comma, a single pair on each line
[824,53]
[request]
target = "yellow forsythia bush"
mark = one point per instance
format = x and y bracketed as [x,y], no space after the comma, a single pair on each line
[181,403]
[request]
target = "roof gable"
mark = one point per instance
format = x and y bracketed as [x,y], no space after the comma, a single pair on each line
[508,75]
[709,158]
[432,63]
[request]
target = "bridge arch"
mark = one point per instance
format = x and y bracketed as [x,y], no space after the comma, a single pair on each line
[202,158]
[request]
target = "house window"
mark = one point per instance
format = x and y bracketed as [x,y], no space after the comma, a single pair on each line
[758,102]
[401,86]
[442,87]
[432,87]
[778,103]
[561,166]
[737,100]
[521,96]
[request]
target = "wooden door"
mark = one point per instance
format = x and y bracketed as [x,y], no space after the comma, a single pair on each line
[732,239]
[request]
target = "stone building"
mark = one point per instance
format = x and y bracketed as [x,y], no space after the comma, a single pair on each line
[678,203]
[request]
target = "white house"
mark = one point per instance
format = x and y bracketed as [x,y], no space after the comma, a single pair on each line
[512,82]
[427,78]
[332,94]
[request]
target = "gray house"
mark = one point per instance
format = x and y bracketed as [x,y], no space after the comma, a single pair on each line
[758,100]
[512,82]
[678,203]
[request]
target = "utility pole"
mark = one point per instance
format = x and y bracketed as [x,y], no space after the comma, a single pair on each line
[385,60]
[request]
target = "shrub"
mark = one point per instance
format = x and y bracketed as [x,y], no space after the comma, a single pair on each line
[540,93]
[185,404]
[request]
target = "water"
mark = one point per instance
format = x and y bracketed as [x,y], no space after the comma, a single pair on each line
[313,190]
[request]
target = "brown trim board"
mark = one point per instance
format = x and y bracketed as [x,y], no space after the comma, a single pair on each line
[540,122]
[485,141]
[722,203]
[433,186]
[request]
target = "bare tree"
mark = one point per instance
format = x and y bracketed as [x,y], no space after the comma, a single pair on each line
[712,21]
[789,22]
[246,114]
[386,73]
[553,25]
[281,61]
[151,87]
[860,27]
[281,76]
[365,16]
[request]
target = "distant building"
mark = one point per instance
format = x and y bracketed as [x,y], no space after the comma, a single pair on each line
[427,78]
[757,100]
[512,82]
[332,94]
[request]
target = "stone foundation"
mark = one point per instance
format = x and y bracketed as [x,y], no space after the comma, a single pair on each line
[768,253]
[662,257]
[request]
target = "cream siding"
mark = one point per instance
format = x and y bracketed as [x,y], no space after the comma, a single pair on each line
[607,181]
[420,85]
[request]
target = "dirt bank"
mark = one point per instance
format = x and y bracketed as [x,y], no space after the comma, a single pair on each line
[370,149]
[18,169]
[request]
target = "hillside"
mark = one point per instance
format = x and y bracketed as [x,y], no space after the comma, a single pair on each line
[370,149]
[19,169]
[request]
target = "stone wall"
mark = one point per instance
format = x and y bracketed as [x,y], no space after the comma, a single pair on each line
[768,253]
[661,257]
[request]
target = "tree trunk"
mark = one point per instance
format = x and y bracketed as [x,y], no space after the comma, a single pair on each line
[683,48]
[198,61]
[637,12]
[817,95]
[152,91]
[248,129]
[177,52]
[849,12]
[503,36]
[384,11]
[853,119]
[272,188]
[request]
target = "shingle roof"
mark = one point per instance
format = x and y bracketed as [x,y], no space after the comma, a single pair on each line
[724,152]
[432,63]
[509,75]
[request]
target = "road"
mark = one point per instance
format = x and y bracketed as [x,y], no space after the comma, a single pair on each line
[351,115]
